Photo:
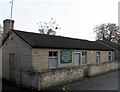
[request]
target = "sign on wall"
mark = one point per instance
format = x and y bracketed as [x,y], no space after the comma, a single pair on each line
[65,56]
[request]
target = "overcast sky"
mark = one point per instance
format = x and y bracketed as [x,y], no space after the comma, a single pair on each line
[76,18]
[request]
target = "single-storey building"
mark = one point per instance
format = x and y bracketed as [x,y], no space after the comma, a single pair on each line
[34,51]
[115,46]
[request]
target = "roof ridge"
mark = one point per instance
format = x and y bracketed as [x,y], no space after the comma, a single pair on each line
[53,35]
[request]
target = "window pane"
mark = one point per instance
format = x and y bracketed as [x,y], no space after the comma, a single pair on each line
[84,53]
[50,54]
[54,53]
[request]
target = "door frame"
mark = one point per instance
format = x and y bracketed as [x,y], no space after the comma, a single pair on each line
[12,67]
[79,58]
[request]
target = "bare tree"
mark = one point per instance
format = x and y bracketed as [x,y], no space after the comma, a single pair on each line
[48,27]
[108,32]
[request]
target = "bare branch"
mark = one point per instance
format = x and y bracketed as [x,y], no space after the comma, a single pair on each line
[49,28]
[108,32]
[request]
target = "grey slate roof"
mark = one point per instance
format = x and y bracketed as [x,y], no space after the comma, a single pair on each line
[111,44]
[36,40]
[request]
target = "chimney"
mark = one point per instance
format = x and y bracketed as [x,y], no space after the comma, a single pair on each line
[7,26]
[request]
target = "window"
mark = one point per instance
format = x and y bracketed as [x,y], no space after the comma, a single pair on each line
[97,57]
[53,59]
[84,57]
[52,54]
[109,56]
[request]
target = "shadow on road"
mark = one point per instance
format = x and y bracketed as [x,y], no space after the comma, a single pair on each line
[10,87]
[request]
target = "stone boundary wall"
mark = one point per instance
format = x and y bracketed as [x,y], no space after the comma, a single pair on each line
[102,68]
[60,76]
[47,78]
